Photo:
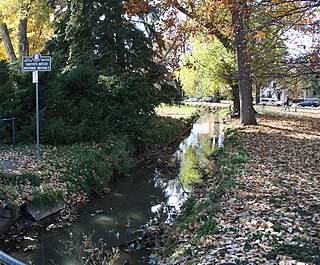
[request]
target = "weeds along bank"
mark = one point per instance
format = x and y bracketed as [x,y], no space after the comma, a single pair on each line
[72,174]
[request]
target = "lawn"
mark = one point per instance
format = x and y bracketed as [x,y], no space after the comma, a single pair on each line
[181,111]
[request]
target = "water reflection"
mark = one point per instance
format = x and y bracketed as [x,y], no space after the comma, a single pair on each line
[175,197]
[206,136]
[188,167]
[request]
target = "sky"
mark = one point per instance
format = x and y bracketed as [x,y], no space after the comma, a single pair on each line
[300,44]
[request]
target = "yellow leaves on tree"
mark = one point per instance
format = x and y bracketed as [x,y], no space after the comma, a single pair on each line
[38,29]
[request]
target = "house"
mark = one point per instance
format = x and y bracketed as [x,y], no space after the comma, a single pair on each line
[281,94]
[311,94]
[273,93]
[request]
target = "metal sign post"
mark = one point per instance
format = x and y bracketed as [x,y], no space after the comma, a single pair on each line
[37,118]
[33,64]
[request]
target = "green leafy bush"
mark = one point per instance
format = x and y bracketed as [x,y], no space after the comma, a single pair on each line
[82,105]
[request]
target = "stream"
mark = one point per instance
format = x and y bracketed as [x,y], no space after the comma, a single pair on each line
[146,197]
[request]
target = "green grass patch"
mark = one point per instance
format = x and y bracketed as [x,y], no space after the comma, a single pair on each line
[238,159]
[86,168]
[47,196]
[24,178]
[176,111]
[208,228]
[90,168]
[224,112]
[232,137]
[279,227]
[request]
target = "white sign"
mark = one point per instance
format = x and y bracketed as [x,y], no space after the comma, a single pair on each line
[35,77]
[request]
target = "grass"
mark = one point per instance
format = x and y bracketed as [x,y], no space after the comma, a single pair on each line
[46,196]
[90,168]
[84,169]
[224,112]
[181,111]
[300,112]
[304,251]
[20,179]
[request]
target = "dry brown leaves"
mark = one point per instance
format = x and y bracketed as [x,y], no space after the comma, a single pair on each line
[45,168]
[273,213]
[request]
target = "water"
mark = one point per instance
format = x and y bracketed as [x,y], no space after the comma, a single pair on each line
[205,137]
[145,197]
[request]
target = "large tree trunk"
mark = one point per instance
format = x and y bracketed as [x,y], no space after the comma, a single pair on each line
[23,39]
[247,115]
[236,100]
[7,43]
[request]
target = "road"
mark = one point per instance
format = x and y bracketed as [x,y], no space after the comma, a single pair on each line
[296,111]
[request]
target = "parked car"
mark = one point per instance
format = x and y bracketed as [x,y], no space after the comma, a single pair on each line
[191,100]
[271,102]
[308,104]
[206,99]
[297,100]
[209,99]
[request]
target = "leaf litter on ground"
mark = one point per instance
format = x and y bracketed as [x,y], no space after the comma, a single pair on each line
[272,214]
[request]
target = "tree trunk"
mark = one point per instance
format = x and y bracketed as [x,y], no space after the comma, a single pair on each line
[258,90]
[236,100]
[23,39]
[7,43]
[247,115]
